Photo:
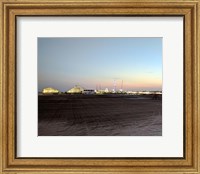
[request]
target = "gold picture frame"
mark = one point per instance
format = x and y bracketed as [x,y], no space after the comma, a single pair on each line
[10,9]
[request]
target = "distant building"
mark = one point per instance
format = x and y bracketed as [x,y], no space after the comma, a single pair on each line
[132,92]
[106,90]
[101,91]
[143,92]
[88,91]
[76,90]
[158,92]
[50,91]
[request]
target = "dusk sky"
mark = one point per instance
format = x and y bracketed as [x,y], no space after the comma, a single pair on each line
[95,62]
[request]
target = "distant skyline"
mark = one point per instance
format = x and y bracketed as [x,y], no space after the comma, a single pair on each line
[95,62]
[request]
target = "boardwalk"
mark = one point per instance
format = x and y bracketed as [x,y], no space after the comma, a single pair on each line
[82,115]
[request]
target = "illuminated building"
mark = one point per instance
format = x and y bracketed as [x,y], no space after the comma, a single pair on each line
[102,91]
[50,91]
[76,90]
[106,90]
[88,91]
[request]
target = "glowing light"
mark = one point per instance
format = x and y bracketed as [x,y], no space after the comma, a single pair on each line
[50,91]
[76,89]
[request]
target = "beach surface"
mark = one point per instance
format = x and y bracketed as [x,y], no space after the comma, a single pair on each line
[99,115]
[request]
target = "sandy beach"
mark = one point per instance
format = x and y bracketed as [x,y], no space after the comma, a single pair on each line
[99,115]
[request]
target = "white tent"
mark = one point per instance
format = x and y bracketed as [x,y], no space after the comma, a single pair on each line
[50,90]
[76,89]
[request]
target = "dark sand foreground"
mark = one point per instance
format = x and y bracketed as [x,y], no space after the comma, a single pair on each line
[91,115]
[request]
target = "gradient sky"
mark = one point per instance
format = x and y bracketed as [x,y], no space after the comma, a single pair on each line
[94,62]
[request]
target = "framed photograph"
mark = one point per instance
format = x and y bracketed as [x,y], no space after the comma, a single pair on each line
[95,94]
[99,86]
